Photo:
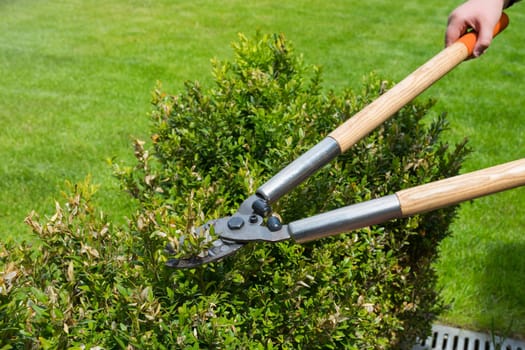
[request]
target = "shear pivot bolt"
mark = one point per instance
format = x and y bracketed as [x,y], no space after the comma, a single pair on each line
[261,207]
[235,223]
[253,219]
[274,224]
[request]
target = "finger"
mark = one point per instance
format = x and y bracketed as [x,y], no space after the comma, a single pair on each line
[451,36]
[484,39]
[455,29]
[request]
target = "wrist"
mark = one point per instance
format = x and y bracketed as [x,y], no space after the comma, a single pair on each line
[509,3]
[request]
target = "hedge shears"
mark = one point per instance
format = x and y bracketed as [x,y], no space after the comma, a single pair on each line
[254,220]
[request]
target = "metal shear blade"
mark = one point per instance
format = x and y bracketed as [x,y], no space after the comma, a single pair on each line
[220,249]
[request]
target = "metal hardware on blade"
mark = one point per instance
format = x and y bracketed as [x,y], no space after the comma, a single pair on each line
[247,207]
[345,219]
[236,223]
[274,224]
[299,170]
[252,230]
[261,207]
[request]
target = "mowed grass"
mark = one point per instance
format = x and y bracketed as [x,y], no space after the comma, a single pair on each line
[76,78]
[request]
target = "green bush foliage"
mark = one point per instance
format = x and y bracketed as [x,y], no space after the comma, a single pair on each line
[93,284]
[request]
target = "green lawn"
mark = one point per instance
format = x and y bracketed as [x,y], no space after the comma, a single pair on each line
[76,78]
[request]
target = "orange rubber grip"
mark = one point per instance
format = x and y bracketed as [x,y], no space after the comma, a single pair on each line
[470,38]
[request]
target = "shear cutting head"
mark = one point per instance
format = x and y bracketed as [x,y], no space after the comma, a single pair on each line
[220,248]
[253,222]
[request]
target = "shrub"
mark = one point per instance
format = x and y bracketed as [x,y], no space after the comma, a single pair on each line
[91,283]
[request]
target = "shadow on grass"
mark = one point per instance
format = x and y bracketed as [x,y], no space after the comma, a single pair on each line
[502,289]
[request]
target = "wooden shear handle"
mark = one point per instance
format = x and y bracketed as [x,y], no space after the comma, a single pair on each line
[457,189]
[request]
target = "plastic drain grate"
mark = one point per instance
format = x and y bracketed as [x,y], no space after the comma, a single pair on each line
[450,338]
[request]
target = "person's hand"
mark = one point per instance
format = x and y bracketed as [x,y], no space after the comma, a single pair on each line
[481,16]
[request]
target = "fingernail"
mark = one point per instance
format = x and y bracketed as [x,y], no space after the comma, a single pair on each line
[478,53]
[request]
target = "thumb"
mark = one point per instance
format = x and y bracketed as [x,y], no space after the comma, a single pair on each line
[455,29]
